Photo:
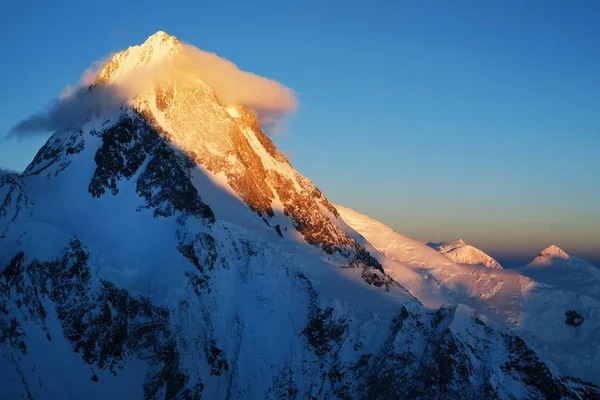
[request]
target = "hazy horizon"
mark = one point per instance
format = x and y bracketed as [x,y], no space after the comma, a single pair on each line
[517,257]
[477,122]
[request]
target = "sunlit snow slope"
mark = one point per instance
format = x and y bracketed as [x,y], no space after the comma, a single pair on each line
[534,301]
[462,253]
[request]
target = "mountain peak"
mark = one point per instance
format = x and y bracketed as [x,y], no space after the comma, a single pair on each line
[463,253]
[551,256]
[161,38]
[554,251]
[157,48]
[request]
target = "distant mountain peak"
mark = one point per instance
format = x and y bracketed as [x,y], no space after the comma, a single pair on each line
[554,251]
[555,259]
[462,253]
[551,256]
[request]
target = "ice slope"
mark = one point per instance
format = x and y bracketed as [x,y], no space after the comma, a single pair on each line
[531,301]
[462,253]
[166,249]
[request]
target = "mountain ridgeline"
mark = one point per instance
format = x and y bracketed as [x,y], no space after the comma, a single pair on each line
[163,248]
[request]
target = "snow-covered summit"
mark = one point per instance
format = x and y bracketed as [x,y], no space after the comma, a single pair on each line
[554,263]
[551,256]
[158,48]
[462,253]
[161,37]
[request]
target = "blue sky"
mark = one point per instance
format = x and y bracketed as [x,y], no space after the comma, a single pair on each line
[470,119]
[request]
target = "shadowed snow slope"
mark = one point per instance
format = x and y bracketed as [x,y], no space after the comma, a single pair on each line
[161,247]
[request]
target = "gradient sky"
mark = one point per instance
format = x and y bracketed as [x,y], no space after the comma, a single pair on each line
[445,119]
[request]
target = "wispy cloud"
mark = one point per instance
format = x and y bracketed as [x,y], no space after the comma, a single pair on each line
[89,77]
[268,99]
[70,110]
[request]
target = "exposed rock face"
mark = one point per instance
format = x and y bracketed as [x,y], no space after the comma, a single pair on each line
[124,148]
[413,355]
[13,201]
[56,152]
[573,318]
[105,325]
[120,270]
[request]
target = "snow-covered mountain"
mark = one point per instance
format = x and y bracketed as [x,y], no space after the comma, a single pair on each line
[462,253]
[554,257]
[162,247]
[538,304]
[556,267]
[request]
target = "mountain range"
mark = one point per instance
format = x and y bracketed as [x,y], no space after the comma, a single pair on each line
[159,246]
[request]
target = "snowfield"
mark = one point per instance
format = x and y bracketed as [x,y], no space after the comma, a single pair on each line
[529,301]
